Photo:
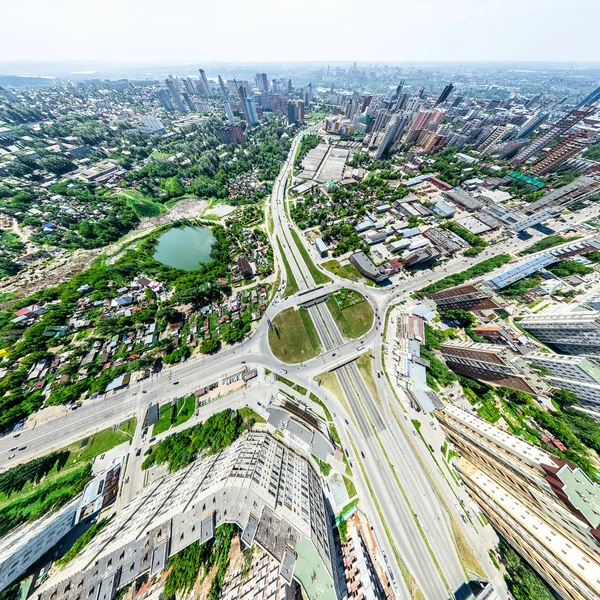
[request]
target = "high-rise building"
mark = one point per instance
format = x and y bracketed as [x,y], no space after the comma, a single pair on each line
[492,363]
[251,111]
[561,127]
[571,332]
[445,93]
[393,132]
[592,98]
[262,82]
[270,490]
[231,134]
[532,123]
[190,86]
[205,84]
[228,111]
[466,297]
[291,112]
[174,91]
[300,111]
[577,374]
[573,144]
[423,119]
[189,102]
[165,100]
[224,90]
[544,506]
[495,137]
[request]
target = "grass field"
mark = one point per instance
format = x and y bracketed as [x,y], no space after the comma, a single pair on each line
[142,205]
[350,488]
[317,275]
[365,366]
[294,337]
[173,415]
[247,413]
[80,455]
[345,272]
[356,318]
[291,286]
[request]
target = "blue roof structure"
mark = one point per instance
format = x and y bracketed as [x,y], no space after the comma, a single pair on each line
[523,270]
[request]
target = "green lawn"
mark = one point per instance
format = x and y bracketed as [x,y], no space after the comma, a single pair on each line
[142,205]
[294,337]
[365,366]
[317,275]
[173,415]
[324,467]
[247,413]
[349,487]
[291,286]
[353,314]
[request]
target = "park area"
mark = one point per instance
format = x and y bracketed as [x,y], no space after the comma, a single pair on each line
[293,338]
[352,312]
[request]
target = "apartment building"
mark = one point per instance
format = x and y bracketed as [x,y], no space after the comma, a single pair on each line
[492,363]
[467,297]
[571,333]
[271,491]
[577,374]
[544,506]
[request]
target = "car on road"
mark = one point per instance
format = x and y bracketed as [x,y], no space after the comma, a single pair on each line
[176,383]
[243,362]
[144,391]
[283,370]
[138,451]
[362,454]
[153,439]
[13,449]
[16,435]
[11,456]
[22,448]
[346,421]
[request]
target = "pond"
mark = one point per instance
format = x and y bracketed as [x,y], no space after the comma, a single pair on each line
[185,248]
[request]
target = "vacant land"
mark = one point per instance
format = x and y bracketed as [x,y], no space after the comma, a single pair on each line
[294,338]
[344,271]
[352,313]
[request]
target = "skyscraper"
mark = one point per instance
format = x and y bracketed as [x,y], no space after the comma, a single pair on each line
[262,82]
[205,84]
[493,363]
[591,98]
[445,93]
[228,111]
[393,132]
[560,127]
[165,100]
[224,90]
[291,112]
[544,506]
[573,144]
[572,333]
[251,111]
[177,100]
[189,101]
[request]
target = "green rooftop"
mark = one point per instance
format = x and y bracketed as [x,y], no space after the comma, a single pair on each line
[527,179]
[583,494]
[311,572]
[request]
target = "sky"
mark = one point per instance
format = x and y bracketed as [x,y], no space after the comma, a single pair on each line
[300,30]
